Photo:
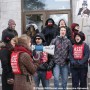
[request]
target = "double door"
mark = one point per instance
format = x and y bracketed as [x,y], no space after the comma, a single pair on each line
[39,17]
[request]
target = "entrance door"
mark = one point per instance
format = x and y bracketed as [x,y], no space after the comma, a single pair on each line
[39,18]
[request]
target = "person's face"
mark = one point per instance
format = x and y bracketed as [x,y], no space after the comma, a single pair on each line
[62,23]
[13,41]
[13,27]
[62,32]
[50,23]
[77,28]
[38,40]
[77,38]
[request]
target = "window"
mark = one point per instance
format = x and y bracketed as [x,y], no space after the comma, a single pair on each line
[46,4]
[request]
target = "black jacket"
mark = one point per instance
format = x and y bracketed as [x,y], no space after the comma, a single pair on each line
[47,65]
[5,53]
[9,32]
[49,31]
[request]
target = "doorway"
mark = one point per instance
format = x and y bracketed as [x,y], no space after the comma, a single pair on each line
[39,17]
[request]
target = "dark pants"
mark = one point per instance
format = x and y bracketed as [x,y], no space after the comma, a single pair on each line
[5,85]
[79,78]
[41,76]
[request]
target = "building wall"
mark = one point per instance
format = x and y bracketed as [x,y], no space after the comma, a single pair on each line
[10,9]
[83,21]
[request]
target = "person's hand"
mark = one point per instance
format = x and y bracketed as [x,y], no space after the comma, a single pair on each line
[10,81]
[79,62]
[73,62]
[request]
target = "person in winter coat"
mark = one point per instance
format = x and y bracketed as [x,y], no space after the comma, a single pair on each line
[75,30]
[79,55]
[9,41]
[49,31]
[23,66]
[10,29]
[68,31]
[31,31]
[60,58]
[40,75]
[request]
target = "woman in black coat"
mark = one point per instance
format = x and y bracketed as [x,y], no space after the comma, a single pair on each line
[7,76]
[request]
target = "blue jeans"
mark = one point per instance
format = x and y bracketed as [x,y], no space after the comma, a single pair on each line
[63,72]
[41,76]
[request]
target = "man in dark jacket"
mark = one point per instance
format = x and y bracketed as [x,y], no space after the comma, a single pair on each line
[79,62]
[49,31]
[5,52]
[10,29]
[42,56]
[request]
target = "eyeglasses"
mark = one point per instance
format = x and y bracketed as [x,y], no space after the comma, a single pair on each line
[38,39]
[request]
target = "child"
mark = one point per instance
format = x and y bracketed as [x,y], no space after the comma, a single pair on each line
[79,62]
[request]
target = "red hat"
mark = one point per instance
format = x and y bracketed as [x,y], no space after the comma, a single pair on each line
[73,25]
[11,22]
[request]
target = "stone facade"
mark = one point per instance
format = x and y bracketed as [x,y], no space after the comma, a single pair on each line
[83,21]
[10,9]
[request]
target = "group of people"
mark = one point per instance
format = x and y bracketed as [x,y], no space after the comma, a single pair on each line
[23,69]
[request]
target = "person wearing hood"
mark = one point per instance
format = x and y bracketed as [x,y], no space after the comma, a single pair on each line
[79,55]
[43,57]
[49,30]
[6,47]
[60,58]
[75,30]
[10,29]
[31,30]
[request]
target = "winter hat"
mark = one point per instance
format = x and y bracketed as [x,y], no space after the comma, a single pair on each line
[73,25]
[7,36]
[81,34]
[11,22]
[40,35]
[51,20]
[84,3]
[33,25]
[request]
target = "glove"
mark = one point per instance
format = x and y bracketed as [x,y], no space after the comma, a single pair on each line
[79,62]
[73,62]
[10,81]
[42,67]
